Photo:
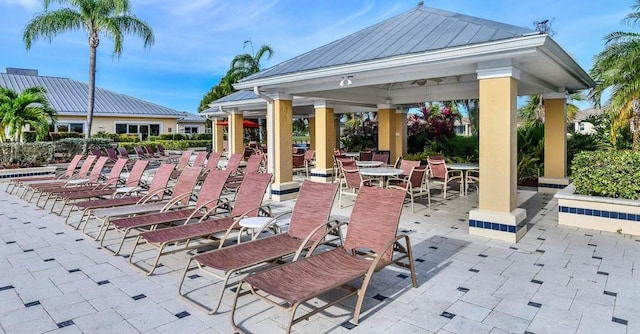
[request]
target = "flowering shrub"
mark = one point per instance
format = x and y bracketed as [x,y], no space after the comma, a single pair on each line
[432,123]
[358,136]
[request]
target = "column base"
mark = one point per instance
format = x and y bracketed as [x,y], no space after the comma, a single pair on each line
[322,175]
[552,185]
[503,226]
[281,192]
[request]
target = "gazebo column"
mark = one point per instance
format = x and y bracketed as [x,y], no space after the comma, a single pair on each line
[312,132]
[325,140]
[401,134]
[336,133]
[236,132]
[497,215]
[218,135]
[283,187]
[387,130]
[555,144]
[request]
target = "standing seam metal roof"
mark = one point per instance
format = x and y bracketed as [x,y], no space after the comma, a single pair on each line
[418,30]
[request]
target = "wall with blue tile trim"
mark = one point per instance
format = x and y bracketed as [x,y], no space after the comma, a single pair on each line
[285,191]
[600,213]
[494,226]
[551,185]
[9,176]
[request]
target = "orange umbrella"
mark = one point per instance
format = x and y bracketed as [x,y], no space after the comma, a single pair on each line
[245,124]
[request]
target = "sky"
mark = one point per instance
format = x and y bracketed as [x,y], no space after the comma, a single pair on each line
[195,40]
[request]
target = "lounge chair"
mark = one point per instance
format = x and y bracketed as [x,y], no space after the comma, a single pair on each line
[71,168]
[81,177]
[209,197]
[369,246]
[110,188]
[200,159]
[156,192]
[253,166]
[182,163]
[233,163]
[309,220]
[248,203]
[180,196]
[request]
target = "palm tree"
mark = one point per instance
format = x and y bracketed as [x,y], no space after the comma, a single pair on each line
[533,109]
[617,68]
[30,107]
[110,18]
[244,65]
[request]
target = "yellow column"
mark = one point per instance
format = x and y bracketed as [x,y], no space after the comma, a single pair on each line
[387,130]
[497,215]
[325,140]
[555,144]
[312,132]
[283,187]
[236,132]
[401,134]
[218,135]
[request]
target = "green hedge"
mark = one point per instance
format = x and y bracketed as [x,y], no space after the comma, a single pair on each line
[71,146]
[177,145]
[612,174]
[25,154]
[118,137]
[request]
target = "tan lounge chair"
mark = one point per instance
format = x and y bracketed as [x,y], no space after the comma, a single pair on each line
[309,220]
[369,246]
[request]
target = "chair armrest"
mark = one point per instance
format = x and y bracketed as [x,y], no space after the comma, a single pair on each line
[389,247]
[177,200]
[151,194]
[336,227]
[270,222]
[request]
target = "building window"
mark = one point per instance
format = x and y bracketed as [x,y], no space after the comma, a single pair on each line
[190,129]
[67,127]
[141,129]
[460,129]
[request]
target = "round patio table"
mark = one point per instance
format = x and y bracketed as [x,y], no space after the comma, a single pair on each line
[465,168]
[352,154]
[369,163]
[252,223]
[382,173]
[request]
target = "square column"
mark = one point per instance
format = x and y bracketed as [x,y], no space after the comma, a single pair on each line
[218,135]
[497,215]
[555,144]
[312,132]
[401,134]
[387,130]
[236,133]
[325,140]
[283,187]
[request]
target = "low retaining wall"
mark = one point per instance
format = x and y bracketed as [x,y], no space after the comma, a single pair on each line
[598,213]
[8,174]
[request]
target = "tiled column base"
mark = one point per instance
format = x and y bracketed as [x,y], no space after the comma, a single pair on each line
[281,192]
[551,185]
[508,227]
[322,175]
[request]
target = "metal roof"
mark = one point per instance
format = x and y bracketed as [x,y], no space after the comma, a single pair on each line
[237,96]
[418,30]
[68,96]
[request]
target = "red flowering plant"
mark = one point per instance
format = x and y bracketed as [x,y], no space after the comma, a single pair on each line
[431,122]
[359,134]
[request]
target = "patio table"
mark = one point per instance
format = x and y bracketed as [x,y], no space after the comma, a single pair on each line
[465,168]
[369,163]
[382,173]
[251,223]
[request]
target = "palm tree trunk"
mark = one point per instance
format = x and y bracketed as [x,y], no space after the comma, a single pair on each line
[93,46]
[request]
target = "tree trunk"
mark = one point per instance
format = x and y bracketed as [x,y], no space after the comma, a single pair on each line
[92,88]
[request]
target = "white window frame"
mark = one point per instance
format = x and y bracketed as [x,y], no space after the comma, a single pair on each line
[68,123]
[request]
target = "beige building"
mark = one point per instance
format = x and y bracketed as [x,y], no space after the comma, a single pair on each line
[113,112]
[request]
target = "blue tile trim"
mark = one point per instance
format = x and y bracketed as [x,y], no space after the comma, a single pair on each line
[600,213]
[495,226]
[285,192]
[321,175]
[9,176]
[551,185]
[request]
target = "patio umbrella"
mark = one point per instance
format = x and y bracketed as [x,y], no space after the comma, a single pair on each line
[247,124]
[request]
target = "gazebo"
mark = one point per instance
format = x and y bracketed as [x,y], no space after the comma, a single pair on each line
[424,54]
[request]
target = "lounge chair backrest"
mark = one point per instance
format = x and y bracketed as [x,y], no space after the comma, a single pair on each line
[186,181]
[116,170]
[86,166]
[111,153]
[140,151]
[160,149]
[212,161]
[253,164]
[407,165]
[149,150]
[374,219]
[136,172]
[233,163]
[161,178]
[73,165]
[312,208]
[438,167]
[250,194]
[123,152]
[184,160]
[96,152]
[201,157]
[212,188]
[94,177]
[298,160]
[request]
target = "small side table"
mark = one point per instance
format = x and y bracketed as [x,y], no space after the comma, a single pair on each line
[251,223]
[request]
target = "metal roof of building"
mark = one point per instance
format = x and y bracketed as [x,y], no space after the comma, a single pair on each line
[68,96]
[237,96]
[418,30]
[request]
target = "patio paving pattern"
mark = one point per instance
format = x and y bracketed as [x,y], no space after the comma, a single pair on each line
[54,279]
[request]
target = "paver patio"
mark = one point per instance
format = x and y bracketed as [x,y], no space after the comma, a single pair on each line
[53,279]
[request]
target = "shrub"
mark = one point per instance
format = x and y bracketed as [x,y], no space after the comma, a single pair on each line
[170,136]
[25,154]
[71,146]
[202,136]
[55,136]
[612,174]
[177,145]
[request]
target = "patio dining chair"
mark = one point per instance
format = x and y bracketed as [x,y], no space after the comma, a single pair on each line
[439,174]
[381,156]
[248,203]
[366,155]
[370,245]
[309,219]
[351,181]
[299,164]
[414,185]
[472,177]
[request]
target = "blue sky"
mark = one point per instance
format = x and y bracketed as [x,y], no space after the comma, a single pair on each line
[196,39]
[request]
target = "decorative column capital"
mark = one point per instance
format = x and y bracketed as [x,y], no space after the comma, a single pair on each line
[498,72]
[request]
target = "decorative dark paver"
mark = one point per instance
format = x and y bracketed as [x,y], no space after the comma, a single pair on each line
[483,255]
[474,270]
[48,260]
[74,270]
[103,282]
[7,287]
[33,303]
[403,276]
[462,289]
[138,297]
[182,314]
[194,276]
[536,281]
[379,297]
[348,325]
[65,323]
[447,315]
[597,257]
[609,293]
[540,250]
[620,321]
[604,273]
[534,304]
